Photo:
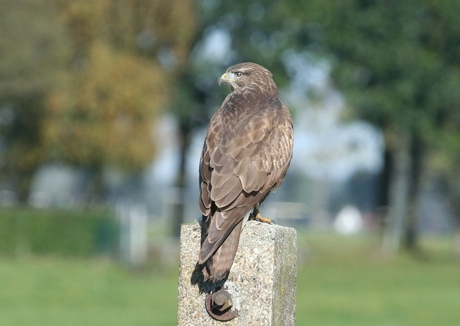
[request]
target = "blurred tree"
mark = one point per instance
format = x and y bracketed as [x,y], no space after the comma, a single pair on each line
[125,58]
[393,60]
[443,34]
[104,116]
[33,54]
[83,82]
[259,31]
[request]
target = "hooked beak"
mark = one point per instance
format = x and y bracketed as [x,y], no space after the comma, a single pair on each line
[223,79]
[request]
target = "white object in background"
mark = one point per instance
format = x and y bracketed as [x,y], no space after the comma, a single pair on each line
[348,220]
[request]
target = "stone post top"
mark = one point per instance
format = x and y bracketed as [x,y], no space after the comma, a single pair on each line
[253,227]
[262,280]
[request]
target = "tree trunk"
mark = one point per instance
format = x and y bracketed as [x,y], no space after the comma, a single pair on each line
[24,183]
[178,210]
[383,201]
[411,232]
[398,196]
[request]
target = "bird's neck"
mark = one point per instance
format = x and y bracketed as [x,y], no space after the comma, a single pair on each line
[257,91]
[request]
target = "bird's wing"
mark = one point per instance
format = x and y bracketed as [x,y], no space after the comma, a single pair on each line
[244,157]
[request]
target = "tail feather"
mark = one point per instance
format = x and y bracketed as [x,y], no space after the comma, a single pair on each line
[217,267]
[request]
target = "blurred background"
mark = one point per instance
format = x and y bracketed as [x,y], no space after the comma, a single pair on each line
[103,111]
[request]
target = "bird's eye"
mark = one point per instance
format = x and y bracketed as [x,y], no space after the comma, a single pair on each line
[238,74]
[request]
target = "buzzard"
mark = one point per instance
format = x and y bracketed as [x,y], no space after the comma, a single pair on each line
[246,154]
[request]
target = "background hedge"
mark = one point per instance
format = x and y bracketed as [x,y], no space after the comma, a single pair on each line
[58,232]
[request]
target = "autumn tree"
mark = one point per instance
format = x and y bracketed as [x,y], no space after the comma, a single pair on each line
[125,58]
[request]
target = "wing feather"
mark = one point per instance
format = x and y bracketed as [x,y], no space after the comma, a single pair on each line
[222,194]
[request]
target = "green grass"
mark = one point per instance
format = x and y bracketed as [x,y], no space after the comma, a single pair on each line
[78,292]
[342,281]
[347,282]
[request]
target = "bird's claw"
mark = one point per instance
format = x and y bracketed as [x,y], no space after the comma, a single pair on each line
[262,219]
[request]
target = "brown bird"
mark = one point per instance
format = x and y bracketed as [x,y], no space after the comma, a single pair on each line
[246,154]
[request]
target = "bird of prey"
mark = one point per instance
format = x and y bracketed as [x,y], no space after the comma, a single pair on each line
[246,154]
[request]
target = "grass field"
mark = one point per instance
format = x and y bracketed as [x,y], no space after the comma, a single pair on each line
[347,282]
[341,281]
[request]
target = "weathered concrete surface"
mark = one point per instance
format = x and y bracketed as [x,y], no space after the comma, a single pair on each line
[262,280]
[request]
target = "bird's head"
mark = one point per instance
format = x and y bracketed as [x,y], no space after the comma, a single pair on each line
[248,75]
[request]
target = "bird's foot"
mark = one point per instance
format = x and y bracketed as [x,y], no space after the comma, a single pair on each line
[262,219]
[255,215]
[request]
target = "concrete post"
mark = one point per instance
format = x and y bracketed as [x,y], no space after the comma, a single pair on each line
[262,281]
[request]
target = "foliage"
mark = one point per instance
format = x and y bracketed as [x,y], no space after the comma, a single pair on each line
[33,50]
[105,115]
[33,47]
[398,65]
[60,232]
[391,59]
[260,32]
[83,82]
[125,62]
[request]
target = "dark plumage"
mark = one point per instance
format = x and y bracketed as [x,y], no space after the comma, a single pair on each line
[246,154]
